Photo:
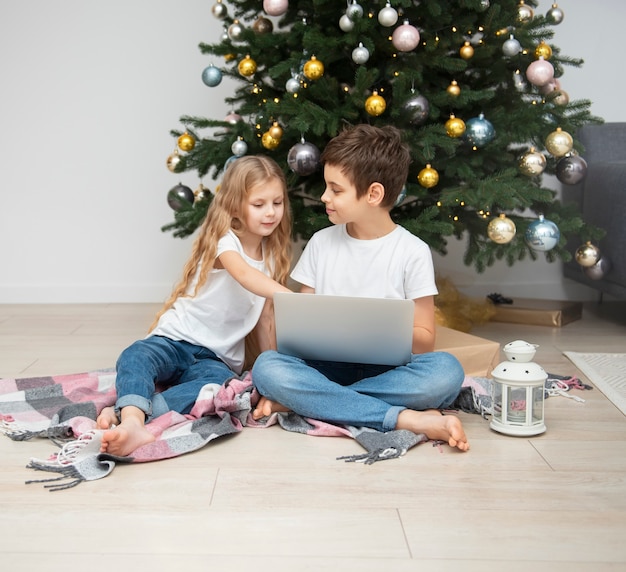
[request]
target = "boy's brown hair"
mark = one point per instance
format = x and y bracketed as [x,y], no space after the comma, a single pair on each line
[367,154]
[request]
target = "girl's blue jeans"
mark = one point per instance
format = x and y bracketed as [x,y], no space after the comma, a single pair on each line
[181,367]
[358,394]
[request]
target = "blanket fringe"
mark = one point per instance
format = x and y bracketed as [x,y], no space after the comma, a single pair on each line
[374,456]
[69,474]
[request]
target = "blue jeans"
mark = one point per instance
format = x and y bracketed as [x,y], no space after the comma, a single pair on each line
[185,368]
[358,394]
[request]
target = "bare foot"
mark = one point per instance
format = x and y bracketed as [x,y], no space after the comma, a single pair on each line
[435,426]
[125,438]
[107,418]
[265,407]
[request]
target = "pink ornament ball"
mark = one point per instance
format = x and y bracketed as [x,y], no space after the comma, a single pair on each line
[540,72]
[275,7]
[405,37]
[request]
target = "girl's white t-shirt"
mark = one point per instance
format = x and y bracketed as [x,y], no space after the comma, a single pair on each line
[397,265]
[221,315]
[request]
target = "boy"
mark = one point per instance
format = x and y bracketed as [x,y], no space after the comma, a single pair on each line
[366,254]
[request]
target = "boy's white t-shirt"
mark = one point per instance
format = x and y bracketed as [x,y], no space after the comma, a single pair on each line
[397,265]
[221,315]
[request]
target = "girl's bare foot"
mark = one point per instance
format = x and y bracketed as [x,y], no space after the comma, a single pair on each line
[125,438]
[265,407]
[129,435]
[107,418]
[435,426]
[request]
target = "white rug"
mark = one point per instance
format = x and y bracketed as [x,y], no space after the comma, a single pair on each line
[607,372]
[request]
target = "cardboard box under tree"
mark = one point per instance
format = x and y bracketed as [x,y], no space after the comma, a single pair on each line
[478,356]
[536,312]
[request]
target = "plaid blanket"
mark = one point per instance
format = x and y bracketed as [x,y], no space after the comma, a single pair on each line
[64,409]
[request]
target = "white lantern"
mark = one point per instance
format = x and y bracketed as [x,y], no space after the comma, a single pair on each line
[518,392]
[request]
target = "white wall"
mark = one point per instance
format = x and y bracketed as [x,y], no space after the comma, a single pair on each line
[90,91]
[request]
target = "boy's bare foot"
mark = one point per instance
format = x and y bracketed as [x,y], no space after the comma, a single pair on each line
[435,426]
[107,418]
[265,407]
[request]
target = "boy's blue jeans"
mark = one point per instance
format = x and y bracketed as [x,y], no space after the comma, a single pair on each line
[358,394]
[182,366]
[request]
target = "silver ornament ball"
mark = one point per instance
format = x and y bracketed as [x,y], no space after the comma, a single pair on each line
[239,147]
[360,54]
[571,169]
[599,270]
[303,158]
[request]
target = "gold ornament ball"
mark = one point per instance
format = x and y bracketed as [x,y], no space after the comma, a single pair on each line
[587,255]
[453,89]
[276,131]
[247,66]
[172,161]
[532,163]
[375,104]
[543,50]
[525,13]
[313,69]
[269,142]
[455,127]
[559,143]
[201,193]
[428,177]
[186,142]
[501,229]
[466,51]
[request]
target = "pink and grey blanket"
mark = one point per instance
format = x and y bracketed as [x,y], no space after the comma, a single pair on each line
[64,408]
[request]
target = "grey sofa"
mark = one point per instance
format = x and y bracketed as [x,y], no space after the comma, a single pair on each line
[601,197]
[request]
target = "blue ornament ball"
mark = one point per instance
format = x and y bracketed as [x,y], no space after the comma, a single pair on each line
[479,131]
[211,76]
[542,234]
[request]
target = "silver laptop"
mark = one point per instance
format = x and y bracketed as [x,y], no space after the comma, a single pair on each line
[344,329]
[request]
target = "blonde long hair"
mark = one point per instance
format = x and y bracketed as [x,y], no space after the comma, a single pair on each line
[222,215]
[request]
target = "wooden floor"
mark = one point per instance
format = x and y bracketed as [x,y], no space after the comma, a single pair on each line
[267,499]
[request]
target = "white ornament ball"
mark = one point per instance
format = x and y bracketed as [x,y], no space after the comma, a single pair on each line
[405,37]
[346,24]
[388,16]
[354,11]
[511,47]
[293,85]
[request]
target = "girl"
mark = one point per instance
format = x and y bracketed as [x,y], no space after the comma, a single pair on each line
[240,258]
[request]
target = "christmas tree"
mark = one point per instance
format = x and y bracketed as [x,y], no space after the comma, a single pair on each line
[473,84]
